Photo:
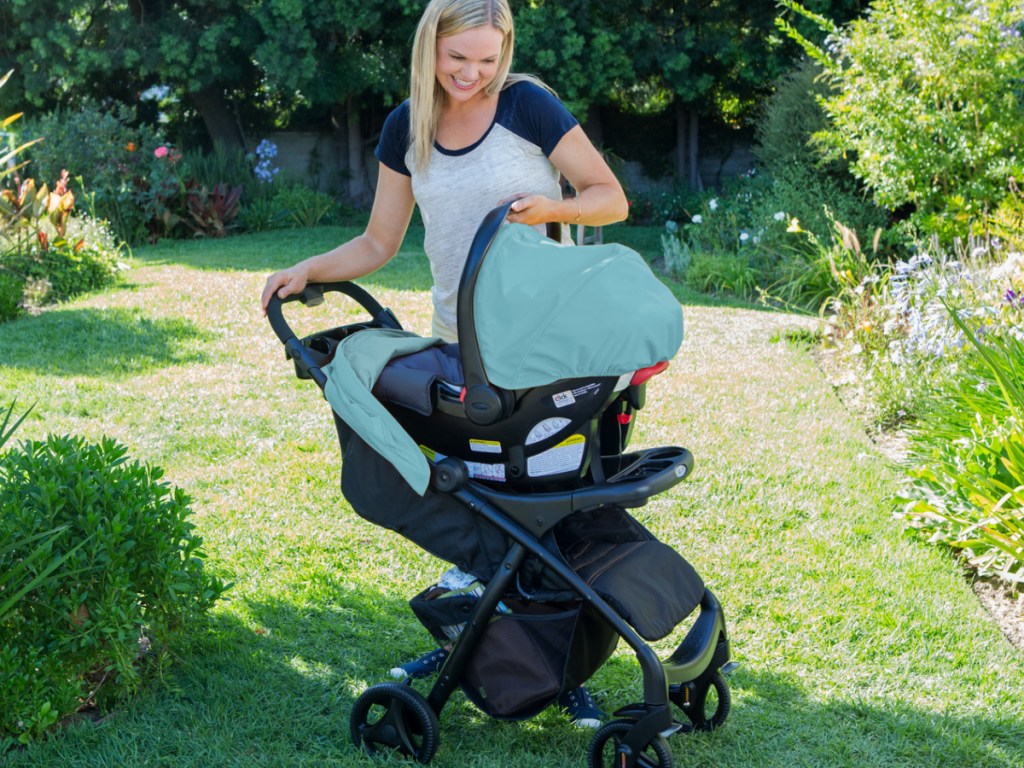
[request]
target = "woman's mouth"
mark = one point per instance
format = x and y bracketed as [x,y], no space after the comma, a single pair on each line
[463,85]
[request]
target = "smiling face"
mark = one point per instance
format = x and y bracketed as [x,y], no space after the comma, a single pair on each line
[468,61]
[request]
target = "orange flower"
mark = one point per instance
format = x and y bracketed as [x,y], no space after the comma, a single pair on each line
[130,146]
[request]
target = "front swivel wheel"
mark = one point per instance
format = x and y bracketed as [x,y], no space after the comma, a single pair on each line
[394,718]
[607,749]
[705,701]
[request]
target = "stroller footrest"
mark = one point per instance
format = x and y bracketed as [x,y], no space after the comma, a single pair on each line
[705,647]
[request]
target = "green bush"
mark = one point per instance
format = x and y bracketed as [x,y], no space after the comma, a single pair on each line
[131,577]
[800,182]
[966,461]
[927,103]
[12,288]
[122,168]
[67,269]
[306,207]
[261,215]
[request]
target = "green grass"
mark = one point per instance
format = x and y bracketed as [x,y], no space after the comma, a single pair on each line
[858,645]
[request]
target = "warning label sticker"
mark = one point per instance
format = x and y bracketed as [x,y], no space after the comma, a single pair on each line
[564,457]
[477,470]
[485,446]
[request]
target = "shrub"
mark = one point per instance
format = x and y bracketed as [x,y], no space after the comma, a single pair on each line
[966,463]
[212,212]
[131,576]
[927,101]
[260,215]
[306,207]
[49,245]
[128,173]
[12,288]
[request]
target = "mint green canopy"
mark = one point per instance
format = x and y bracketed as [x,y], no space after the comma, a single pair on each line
[546,311]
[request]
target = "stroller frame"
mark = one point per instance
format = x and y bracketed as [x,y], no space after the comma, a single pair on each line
[395,717]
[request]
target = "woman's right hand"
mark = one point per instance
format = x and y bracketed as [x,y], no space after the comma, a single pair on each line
[284,283]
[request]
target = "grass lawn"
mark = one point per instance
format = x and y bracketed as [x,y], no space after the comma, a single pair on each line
[858,645]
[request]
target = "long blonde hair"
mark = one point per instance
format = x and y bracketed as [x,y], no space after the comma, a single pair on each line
[443,18]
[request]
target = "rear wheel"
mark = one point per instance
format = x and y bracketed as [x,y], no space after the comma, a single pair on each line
[394,718]
[604,748]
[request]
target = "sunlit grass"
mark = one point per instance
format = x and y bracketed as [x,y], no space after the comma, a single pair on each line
[858,646]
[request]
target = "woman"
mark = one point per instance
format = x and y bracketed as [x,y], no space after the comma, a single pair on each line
[470,137]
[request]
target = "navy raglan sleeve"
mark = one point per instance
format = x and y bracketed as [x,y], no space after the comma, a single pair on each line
[539,116]
[394,140]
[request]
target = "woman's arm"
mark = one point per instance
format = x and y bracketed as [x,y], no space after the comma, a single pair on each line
[599,197]
[389,220]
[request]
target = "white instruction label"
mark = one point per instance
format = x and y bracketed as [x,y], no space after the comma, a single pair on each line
[564,457]
[493,472]
[477,470]
[562,399]
[485,446]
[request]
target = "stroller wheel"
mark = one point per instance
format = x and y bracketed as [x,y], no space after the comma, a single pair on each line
[391,717]
[708,692]
[604,748]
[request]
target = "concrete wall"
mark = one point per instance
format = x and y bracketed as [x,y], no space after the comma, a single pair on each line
[320,160]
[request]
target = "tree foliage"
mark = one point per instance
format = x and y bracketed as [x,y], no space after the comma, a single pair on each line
[927,101]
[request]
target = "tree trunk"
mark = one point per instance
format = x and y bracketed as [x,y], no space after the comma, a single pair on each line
[593,126]
[682,147]
[358,184]
[220,123]
[694,152]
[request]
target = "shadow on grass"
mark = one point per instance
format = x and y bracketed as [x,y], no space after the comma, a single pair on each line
[774,719]
[99,342]
[273,683]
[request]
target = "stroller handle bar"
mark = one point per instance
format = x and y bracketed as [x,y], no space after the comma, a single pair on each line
[485,403]
[311,296]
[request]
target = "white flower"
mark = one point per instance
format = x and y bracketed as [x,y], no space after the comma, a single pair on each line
[744,237]
[671,226]
[713,204]
[697,219]
[780,216]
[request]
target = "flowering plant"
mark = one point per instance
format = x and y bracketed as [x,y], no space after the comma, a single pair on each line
[264,169]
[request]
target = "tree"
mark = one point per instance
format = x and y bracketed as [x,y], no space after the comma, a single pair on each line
[198,49]
[928,101]
[337,54]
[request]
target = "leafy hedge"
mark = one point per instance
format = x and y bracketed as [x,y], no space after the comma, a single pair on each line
[130,575]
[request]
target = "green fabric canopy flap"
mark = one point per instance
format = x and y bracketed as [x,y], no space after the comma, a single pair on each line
[546,311]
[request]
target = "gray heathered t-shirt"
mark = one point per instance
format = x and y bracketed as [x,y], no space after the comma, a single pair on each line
[463,185]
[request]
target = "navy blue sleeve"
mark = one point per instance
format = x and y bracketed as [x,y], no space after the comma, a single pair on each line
[394,140]
[536,114]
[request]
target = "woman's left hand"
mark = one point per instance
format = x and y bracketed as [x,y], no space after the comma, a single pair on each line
[534,209]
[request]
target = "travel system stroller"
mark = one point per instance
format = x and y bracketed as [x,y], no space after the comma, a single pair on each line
[506,455]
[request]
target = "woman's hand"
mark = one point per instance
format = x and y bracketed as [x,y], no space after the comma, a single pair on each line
[536,209]
[284,283]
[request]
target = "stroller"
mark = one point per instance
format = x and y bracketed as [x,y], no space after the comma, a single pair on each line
[504,456]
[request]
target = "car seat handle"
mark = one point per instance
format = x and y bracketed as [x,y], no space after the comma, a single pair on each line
[485,403]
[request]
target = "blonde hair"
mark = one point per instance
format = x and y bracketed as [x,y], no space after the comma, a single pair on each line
[444,18]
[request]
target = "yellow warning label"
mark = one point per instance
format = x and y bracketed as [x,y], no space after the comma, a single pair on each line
[572,440]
